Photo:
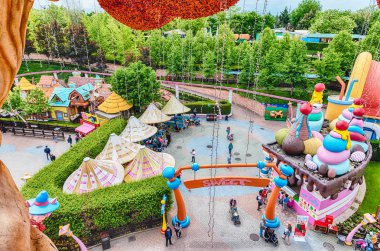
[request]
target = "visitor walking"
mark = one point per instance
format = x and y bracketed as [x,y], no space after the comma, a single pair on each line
[195,112]
[259,202]
[168,137]
[264,195]
[229,159]
[77,138]
[47,151]
[230,147]
[228,131]
[263,225]
[285,201]
[193,156]
[168,236]
[287,233]
[70,140]
[177,229]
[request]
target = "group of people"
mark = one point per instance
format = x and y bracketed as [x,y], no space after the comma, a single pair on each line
[262,197]
[49,154]
[285,200]
[159,141]
[264,230]
[169,233]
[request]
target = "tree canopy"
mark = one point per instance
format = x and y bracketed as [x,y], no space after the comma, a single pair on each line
[333,21]
[137,83]
[305,12]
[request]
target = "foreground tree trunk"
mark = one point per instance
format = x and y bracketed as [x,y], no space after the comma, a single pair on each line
[16,232]
[13,21]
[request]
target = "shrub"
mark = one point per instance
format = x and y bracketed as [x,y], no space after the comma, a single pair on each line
[375,150]
[207,107]
[186,96]
[129,206]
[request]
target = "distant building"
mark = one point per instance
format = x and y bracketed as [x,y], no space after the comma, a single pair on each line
[47,84]
[308,37]
[79,81]
[25,87]
[179,32]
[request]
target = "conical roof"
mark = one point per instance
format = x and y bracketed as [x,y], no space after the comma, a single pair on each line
[147,163]
[136,131]
[118,149]
[25,85]
[153,115]
[114,104]
[174,107]
[94,174]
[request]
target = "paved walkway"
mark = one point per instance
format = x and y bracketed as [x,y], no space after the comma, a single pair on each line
[211,227]
[26,154]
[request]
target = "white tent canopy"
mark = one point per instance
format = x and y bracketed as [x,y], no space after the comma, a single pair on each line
[147,163]
[119,149]
[136,131]
[94,174]
[174,106]
[153,115]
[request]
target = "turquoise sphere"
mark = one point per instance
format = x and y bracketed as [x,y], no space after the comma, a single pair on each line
[334,145]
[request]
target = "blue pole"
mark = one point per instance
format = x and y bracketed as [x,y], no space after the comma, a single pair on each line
[350,89]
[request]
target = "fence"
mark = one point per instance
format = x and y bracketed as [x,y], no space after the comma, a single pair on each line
[38,133]
[11,124]
[68,244]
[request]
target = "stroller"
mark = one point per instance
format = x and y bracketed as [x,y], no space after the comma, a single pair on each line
[230,137]
[270,236]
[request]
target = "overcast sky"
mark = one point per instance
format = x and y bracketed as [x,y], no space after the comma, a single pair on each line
[274,6]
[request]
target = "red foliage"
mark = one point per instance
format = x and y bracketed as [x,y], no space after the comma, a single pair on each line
[152,14]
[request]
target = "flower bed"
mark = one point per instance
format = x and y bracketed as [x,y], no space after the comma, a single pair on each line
[119,209]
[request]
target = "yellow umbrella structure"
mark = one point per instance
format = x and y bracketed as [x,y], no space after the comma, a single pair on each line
[25,85]
[114,104]
[136,131]
[94,174]
[118,149]
[147,163]
[174,106]
[153,115]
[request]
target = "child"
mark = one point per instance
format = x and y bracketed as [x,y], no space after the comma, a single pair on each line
[193,156]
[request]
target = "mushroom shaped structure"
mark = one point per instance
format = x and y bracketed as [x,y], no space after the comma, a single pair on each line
[136,131]
[153,115]
[147,163]
[94,174]
[118,149]
[174,106]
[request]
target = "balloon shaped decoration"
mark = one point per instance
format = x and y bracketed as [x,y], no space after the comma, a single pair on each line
[152,14]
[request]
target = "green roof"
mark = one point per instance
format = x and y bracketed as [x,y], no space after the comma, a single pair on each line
[60,95]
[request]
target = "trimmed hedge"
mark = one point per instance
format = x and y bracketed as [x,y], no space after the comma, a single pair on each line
[186,96]
[207,107]
[375,150]
[123,206]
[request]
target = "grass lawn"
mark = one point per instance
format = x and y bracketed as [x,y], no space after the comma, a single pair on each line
[372,197]
[36,66]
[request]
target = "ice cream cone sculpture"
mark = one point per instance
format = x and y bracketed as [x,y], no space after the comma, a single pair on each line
[65,230]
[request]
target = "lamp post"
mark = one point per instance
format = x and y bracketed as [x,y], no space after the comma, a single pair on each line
[163,204]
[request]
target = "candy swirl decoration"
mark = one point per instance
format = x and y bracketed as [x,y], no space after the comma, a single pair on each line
[152,14]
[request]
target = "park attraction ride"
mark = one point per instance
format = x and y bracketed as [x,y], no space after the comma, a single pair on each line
[280,181]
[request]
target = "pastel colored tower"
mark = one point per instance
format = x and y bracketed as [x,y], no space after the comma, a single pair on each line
[356,131]
[316,117]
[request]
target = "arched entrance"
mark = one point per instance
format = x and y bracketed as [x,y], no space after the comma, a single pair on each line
[280,181]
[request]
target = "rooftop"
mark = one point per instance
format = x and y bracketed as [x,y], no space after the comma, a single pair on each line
[60,96]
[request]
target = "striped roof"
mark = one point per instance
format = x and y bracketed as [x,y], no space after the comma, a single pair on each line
[118,149]
[174,106]
[94,174]
[114,104]
[147,163]
[136,131]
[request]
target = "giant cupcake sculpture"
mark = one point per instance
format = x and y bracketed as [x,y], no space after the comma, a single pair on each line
[347,114]
[357,135]
[332,157]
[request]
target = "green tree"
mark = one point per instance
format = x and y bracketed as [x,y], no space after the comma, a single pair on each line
[329,66]
[295,65]
[14,101]
[137,83]
[209,64]
[36,102]
[248,66]
[284,18]
[362,20]
[270,67]
[174,57]
[157,42]
[333,21]
[307,8]
[372,41]
[346,48]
